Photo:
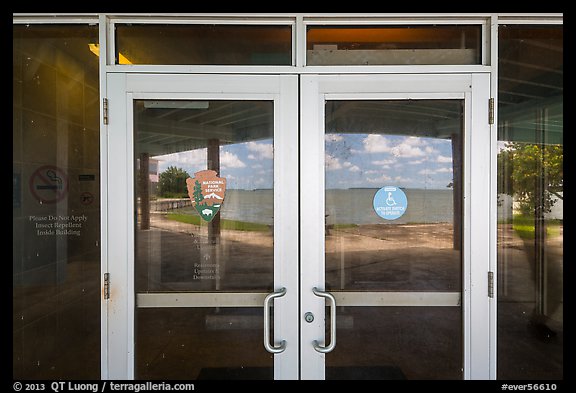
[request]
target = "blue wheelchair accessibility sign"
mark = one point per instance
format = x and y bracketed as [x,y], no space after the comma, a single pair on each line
[390,202]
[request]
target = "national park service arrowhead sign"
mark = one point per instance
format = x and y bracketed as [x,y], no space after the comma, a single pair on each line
[206,191]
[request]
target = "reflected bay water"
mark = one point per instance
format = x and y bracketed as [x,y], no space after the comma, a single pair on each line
[424,206]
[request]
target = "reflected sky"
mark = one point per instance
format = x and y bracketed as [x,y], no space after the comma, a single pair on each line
[352,160]
[371,160]
[246,165]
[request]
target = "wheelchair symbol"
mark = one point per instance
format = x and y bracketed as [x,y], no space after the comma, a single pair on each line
[390,200]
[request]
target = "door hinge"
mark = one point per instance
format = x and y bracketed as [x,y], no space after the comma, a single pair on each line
[491,284]
[106,285]
[105,110]
[491,111]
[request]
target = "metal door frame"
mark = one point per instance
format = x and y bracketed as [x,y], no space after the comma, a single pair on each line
[479,308]
[295,268]
[118,338]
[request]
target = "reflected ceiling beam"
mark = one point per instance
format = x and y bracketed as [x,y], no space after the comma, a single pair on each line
[261,115]
[403,113]
[530,83]
[190,130]
[363,125]
[256,123]
[158,150]
[400,106]
[242,135]
[447,128]
[505,102]
[341,109]
[543,45]
[229,115]
[532,66]
[255,133]
[528,107]
[517,94]
[414,104]
[209,111]
[156,138]
[167,113]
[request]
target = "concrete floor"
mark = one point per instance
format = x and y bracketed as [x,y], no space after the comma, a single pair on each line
[420,342]
[56,333]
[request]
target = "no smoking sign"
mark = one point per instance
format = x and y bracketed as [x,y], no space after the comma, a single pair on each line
[49,184]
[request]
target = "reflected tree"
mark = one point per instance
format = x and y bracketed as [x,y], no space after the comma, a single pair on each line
[533,175]
[172,183]
[522,166]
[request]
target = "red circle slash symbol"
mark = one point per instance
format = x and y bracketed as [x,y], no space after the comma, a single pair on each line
[49,184]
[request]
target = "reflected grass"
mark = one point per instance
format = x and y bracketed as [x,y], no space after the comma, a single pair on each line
[224,224]
[525,228]
[344,226]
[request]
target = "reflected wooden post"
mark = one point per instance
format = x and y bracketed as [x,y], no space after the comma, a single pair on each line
[213,163]
[213,158]
[539,218]
[457,190]
[144,190]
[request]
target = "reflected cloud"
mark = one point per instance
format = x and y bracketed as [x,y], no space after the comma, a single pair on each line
[230,160]
[195,160]
[406,148]
[443,159]
[260,150]
[333,138]
[332,163]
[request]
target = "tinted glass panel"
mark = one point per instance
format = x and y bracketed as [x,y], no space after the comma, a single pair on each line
[530,202]
[56,203]
[394,237]
[374,45]
[204,231]
[203,44]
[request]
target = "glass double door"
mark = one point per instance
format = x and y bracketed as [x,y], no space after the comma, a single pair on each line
[297,227]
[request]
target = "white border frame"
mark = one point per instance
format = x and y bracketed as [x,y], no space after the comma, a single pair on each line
[118,361]
[474,89]
[299,41]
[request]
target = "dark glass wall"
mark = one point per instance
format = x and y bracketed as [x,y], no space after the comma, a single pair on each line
[530,199]
[56,203]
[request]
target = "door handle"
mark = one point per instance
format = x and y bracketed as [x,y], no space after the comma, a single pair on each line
[267,301]
[328,348]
